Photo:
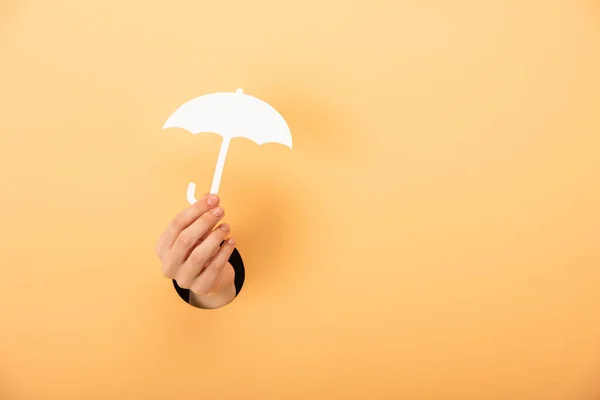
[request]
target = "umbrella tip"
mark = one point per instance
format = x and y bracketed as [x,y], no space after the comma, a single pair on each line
[239,91]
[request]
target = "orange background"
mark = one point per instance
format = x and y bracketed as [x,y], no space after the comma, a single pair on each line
[433,234]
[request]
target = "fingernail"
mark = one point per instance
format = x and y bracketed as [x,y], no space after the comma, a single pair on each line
[218,212]
[224,227]
[212,200]
[231,241]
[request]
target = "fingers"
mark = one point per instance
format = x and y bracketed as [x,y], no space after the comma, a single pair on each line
[183,220]
[189,237]
[203,284]
[201,255]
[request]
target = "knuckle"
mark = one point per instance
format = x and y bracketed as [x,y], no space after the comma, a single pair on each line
[168,271]
[180,220]
[219,263]
[186,239]
[198,257]
[158,250]
[184,282]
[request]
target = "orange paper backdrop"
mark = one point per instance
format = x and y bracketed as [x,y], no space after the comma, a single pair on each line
[433,234]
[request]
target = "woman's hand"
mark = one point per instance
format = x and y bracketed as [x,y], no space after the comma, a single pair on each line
[191,253]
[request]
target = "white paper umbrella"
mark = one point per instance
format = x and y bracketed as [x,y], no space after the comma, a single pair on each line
[230,115]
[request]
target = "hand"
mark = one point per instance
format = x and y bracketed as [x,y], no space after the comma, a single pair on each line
[191,253]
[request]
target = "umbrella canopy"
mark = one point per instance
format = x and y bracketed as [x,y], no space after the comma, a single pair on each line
[230,115]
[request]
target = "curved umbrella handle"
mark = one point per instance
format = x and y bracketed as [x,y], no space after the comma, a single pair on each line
[191,190]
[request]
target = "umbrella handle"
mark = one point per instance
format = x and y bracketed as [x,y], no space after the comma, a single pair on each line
[220,164]
[191,190]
